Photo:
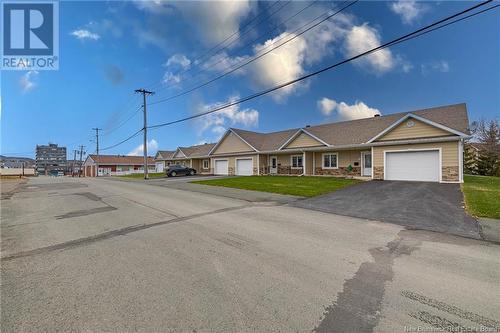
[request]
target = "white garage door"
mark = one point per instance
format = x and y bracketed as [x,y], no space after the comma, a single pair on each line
[159,166]
[412,165]
[244,167]
[221,167]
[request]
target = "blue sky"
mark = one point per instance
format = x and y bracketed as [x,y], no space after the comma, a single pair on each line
[108,49]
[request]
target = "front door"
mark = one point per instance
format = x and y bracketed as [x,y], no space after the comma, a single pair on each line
[367,163]
[273,167]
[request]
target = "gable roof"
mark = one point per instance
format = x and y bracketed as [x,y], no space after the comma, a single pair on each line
[197,150]
[363,130]
[120,159]
[164,154]
[265,141]
[451,117]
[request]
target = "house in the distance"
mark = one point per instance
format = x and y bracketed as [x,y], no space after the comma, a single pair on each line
[196,157]
[115,165]
[163,159]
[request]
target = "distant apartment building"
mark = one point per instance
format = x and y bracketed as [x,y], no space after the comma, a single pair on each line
[50,159]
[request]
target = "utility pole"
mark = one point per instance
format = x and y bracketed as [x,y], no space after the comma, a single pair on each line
[97,147]
[81,156]
[74,161]
[145,129]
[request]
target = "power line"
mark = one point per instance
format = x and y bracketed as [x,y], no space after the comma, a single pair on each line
[123,141]
[275,28]
[294,36]
[136,111]
[219,45]
[417,33]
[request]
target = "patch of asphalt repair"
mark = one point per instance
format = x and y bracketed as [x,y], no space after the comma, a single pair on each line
[51,187]
[451,309]
[114,233]
[84,212]
[359,305]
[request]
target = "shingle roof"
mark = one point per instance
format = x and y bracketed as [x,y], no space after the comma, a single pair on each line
[265,141]
[361,130]
[198,150]
[120,159]
[166,154]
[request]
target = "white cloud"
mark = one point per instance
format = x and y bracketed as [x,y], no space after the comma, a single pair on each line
[363,38]
[435,66]
[326,105]
[218,122]
[222,62]
[281,65]
[409,10]
[344,111]
[139,150]
[27,81]
[179,59]
[171,78]
[214,20]
[83,34]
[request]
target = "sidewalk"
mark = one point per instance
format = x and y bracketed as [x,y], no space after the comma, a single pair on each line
[490,229]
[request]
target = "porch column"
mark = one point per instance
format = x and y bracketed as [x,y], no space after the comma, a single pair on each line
[304,163]
[314,163]
[258,164]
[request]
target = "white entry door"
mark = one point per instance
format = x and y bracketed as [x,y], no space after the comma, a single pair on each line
[221,167]
[273,165]
[367,163]
[244,167]
[412,165]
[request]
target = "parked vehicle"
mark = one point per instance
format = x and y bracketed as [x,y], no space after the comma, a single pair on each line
[178,170]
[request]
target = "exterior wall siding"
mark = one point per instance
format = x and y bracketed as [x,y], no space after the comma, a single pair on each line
[232,144]
[418,130]
[304,140]
[449,158]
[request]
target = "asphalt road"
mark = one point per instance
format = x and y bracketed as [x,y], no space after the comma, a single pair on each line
[97,255]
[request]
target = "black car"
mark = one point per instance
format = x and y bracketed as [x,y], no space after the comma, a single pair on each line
[177,170]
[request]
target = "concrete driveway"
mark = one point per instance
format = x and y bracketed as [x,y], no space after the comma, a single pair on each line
[416,205]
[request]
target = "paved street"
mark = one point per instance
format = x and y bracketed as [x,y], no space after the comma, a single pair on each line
[102,255]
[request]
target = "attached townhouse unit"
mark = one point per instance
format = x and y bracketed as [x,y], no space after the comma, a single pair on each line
[195,157]
[163,159]
[422,145]
[115,165]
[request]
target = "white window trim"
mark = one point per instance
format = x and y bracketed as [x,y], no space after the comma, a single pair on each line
[241,158]
[323,161]
[419,149]
[291,161]
[203,164]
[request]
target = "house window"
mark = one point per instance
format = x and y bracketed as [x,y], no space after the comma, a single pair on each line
[205,164]
[330,161]
[296,161]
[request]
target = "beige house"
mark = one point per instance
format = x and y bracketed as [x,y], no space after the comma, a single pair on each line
[163,159]
[422,145]
[195,157]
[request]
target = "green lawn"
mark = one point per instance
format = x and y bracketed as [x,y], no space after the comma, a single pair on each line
[141,175]
[482,195]
[301,186]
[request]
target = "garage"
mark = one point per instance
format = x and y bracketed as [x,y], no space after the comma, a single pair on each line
[221,167]
[244,166]
[412,165]
[159,166]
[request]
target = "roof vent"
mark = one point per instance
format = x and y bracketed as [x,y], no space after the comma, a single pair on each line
[376,115]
